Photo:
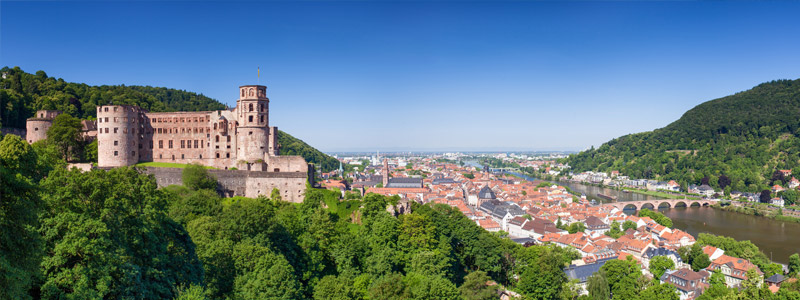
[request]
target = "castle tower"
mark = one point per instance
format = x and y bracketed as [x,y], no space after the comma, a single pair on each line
[252,113]
[36,127]
[118,131]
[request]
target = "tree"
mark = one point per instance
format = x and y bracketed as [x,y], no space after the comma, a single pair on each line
[108,235]
[390,287]
[659,291]
[765,196]
[576,227]
[196,177]
[701,262]
[475,287]
[90,152]
[543,278]
[275,195]
[623,278]
[628,225]
[65,134]
[794,264]
[659,264]
[20,244]
[597,286]
[268,276]
[723,181]
[717,288]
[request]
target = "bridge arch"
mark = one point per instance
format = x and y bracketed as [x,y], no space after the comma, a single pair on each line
[647,205]
[664,204]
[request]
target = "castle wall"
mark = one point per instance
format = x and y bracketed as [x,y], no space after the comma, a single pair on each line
[292,185]
[119,130]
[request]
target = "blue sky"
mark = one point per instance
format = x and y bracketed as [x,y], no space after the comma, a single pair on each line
[360,75]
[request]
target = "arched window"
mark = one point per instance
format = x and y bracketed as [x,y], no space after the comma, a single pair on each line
[251,92]
[217,139]
[251,106]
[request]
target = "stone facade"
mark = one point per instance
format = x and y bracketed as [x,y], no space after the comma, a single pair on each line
[243,183]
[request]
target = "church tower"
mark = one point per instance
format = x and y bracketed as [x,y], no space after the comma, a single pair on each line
[385,173]
[252,114]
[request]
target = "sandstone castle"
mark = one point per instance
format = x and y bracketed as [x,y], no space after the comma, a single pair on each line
[239,142]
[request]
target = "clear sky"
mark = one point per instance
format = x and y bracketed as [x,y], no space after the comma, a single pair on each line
[378,75]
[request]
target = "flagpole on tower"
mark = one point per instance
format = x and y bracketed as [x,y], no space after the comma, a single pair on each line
[259,75]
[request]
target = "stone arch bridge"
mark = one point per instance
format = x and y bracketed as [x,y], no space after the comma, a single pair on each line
[663,203]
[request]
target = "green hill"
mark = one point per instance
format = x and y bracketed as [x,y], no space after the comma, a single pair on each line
[22,94]
[745,136]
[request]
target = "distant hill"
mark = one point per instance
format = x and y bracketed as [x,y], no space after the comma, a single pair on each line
[22,94]
[745,136]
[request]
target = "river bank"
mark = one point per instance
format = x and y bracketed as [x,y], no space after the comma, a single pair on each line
[761,210]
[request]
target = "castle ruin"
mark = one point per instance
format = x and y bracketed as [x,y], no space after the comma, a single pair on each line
[239,139]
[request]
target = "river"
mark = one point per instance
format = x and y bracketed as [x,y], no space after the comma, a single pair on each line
[776,239]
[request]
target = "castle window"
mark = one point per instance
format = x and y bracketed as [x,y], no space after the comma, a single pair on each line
[195,143]
[183,144]
[173,157]
[201,156]
[116,153]
[251,106]
[106,130]
[249,133]
[189,144]
[106,109]
[242,92]
[125,130]
[36,129]
[250,119]
[116,143]
[217,155]
[170,146]
[229,138]
[116,119]
[140,146]
[106,118]
[227,155]
[133,153]
[215,126]
[151,144]
[160,144]
[262,119]
[125,119]
[115,130]
[217,139]
[160,156]
[115,108]
[100,120]
[182,156]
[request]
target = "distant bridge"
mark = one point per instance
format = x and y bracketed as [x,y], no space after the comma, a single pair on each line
[500,170]
[663,203]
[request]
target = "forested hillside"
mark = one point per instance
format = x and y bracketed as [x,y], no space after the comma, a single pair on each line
[293,146]
[22,94]
[745,136]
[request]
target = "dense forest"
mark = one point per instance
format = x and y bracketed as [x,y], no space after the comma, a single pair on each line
[22,94]
[746,137]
